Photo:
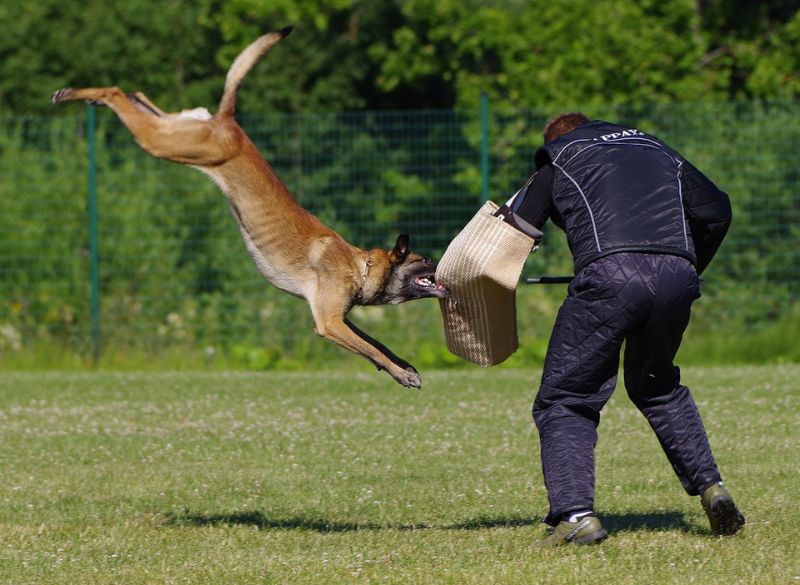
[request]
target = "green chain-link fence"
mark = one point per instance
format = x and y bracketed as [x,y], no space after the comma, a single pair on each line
[171,274]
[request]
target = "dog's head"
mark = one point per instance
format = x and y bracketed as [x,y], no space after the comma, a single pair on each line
[403,275]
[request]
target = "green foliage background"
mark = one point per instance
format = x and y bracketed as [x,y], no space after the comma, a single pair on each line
[369,114]
[405,54]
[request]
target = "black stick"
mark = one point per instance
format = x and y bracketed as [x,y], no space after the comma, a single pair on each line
[548,279]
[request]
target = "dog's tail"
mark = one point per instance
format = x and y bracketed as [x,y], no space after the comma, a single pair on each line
[243,63]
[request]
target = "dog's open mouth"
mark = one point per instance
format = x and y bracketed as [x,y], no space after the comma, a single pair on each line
[427,283]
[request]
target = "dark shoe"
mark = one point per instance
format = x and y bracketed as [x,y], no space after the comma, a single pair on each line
[586,530]
[724,516]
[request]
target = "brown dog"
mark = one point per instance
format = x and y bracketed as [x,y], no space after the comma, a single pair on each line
[292,248]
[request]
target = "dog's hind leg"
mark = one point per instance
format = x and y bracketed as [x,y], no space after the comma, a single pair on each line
[113,97]
[183,139]
[143,103]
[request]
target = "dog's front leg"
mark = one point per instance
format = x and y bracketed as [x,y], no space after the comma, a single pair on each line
[331,325]
[382,348]
[345,335]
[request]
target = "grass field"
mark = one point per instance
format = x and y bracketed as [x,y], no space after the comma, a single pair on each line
[347,478]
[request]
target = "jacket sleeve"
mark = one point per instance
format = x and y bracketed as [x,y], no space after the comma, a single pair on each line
[536,203]
[708,211]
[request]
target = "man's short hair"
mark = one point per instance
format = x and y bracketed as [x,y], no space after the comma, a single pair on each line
[563,123]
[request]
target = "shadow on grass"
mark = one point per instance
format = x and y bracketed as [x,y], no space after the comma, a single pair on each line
[653,521]
[259,520]
[487,522]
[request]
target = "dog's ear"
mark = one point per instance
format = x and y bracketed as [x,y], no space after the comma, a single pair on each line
[400,250]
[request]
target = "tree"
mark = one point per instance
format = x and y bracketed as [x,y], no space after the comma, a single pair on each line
[51,44]
[405,54]
[753,46]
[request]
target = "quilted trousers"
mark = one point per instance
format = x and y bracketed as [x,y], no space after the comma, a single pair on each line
[643,300]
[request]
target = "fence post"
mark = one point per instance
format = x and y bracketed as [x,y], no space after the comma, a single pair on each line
[94,260]
[484,109]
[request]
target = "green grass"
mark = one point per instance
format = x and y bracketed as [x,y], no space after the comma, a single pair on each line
[347,478]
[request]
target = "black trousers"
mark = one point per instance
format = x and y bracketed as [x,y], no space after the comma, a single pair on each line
[643,300]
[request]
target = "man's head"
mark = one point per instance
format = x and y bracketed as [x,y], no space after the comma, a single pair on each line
[563,123]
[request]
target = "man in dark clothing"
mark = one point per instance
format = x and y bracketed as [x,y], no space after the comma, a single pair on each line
[641,223]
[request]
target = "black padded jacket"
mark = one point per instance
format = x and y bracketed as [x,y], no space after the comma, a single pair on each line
[618,189]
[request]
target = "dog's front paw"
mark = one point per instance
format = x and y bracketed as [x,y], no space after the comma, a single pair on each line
[408,377]
[62,95]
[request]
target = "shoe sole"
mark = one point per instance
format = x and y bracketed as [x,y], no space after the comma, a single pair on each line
[726,519]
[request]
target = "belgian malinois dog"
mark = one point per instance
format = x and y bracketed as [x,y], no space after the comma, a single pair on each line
[291,248]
